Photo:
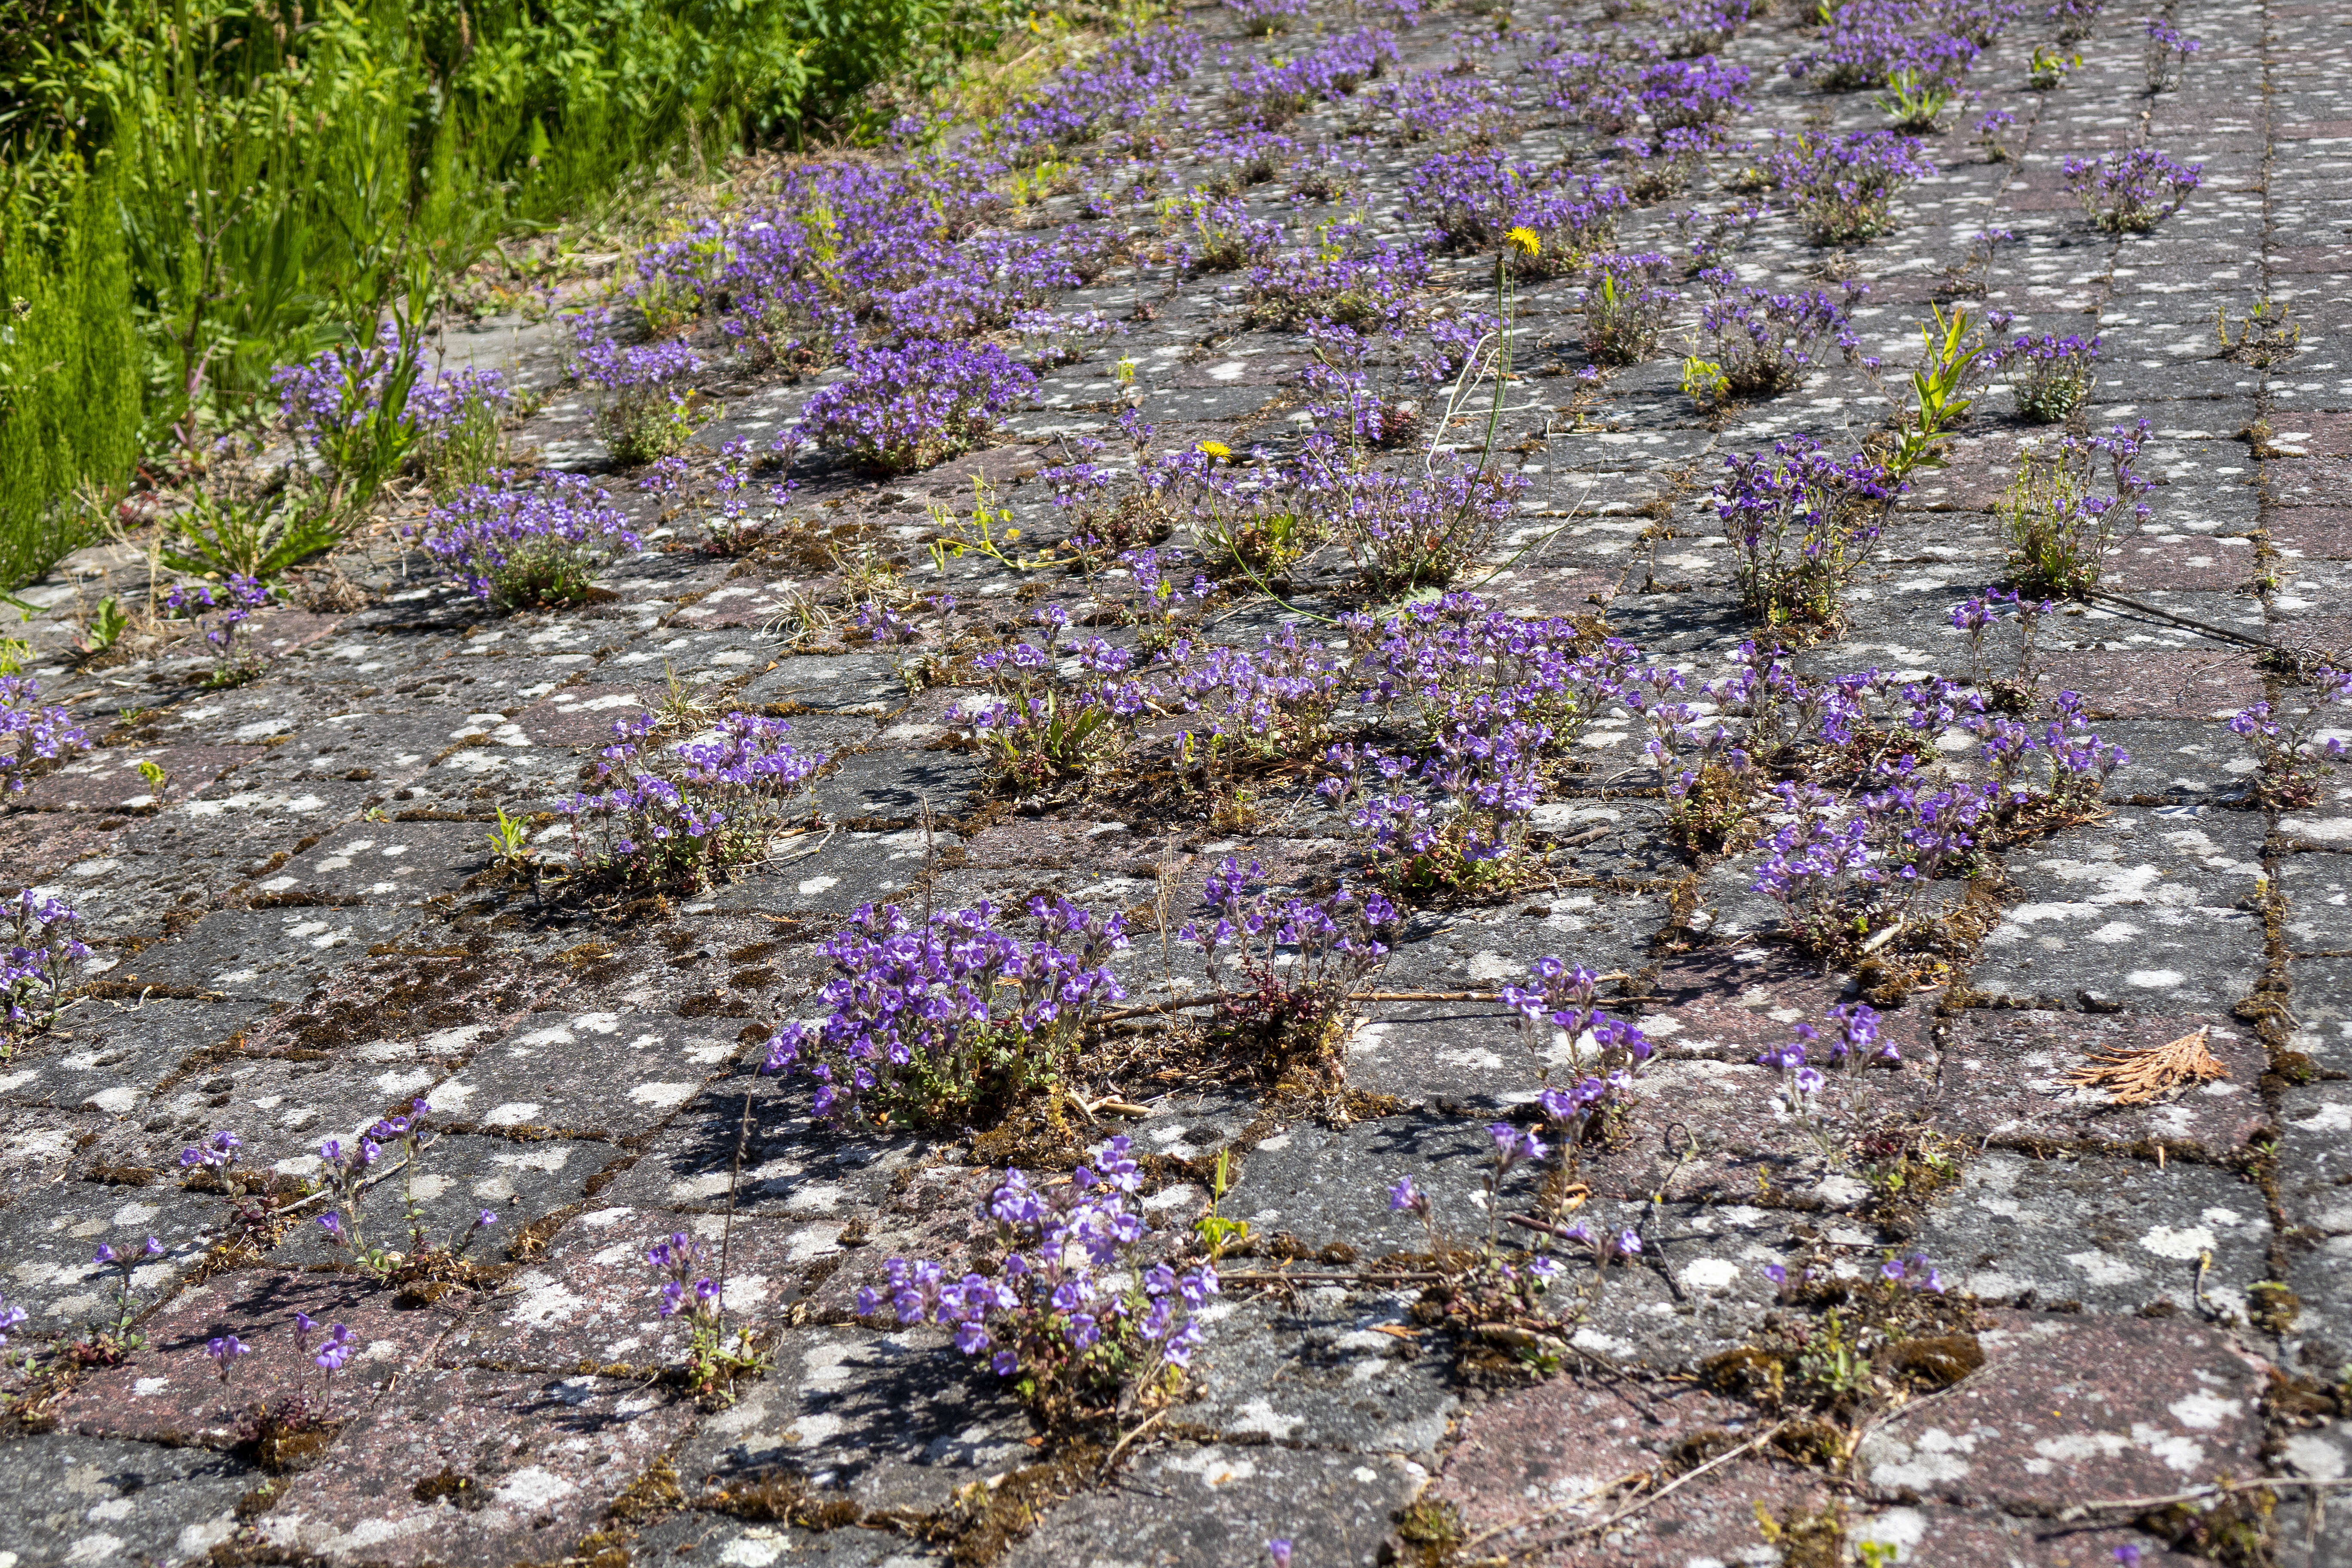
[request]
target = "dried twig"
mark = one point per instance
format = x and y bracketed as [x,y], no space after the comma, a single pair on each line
[1598,1526]
[2137,1075]
[2195,1494]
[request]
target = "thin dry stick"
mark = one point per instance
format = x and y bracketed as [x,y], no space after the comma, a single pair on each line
[2197,1494]
[727,1230]
[1629,1510]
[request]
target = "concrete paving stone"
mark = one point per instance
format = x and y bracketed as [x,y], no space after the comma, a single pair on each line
[1331,1508]
[616,1074]
[540,1458]
[38,1145]
[891,1420]
[51,1241]
[2111,1235]
[394,863]
[591,1298]
[2162,889]
[691,1539]
[458,1176]
[265,955]
[2003,1074]
[113,1504]
[108,1055]
[2323,1025]
[2082,1407]
[172,1390]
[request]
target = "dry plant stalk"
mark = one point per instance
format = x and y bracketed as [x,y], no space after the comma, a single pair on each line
[2137,1075]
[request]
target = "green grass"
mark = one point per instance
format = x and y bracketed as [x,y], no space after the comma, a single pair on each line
[194,193]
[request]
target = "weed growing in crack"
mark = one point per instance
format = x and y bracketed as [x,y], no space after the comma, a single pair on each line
[1844,188]
[1760,343]
[647,410]
[2059,528]
[2048,374]
[1298,961]
[2289,747]
[1626,308]
[1075,1319]
[2267,335]
[690,813]
[2168,53]
[715,1358]
[900,409]
[1802,524]
[219,610]
[44,946]
[2132,190]
[946,1023]
[520,543]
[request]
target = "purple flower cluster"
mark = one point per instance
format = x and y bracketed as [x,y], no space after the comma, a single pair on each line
[684,815]
[40,733]
[2288,743]
[647,410]
[35,969]
[219,610]
[1845,186]
[1802,522]
[2132,190]
[1436,104]
[1364,290]
[906,409]
[2049,374]
[1473,197]
[332,406]
[521,542]
[1408,532]
[1074,1313]
[2060,527]
[683,1264]
[926,1023]
[1866,42]
[1038,722]
[1761,343]
[1272,95]
[1264,18]
[2167,54]
[1298,959]
[1625,307]
[1604,1054]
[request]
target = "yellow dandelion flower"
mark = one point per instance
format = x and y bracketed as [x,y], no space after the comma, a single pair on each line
[1217,450]
[1525,241]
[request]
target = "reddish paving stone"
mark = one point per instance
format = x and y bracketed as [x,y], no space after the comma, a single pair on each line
[592,1301]
[2133,683]
[108,779]
[2003,1075]
[2068,1408]
[1528,1471]
[172,1390]
[541,1459]
[1937,1537]
[2313,482]
[581,715]
[2145,564]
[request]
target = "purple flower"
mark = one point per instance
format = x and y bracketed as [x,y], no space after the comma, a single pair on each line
[1278,1550]
[224,1349]
[336,1351]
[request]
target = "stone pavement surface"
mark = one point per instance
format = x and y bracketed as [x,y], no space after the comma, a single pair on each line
[2143,1334]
